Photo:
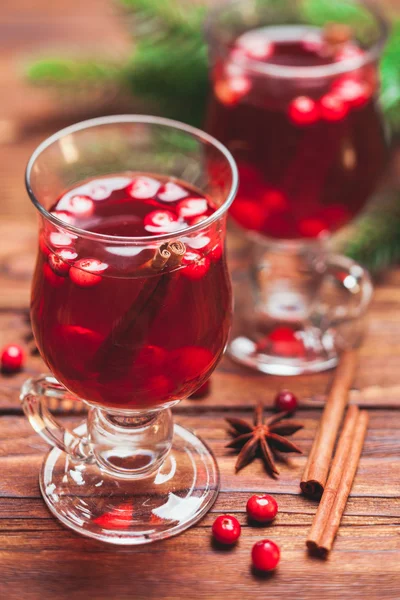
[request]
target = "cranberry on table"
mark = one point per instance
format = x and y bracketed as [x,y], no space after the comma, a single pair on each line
[226,529]
[265,555]
[262,508]
[286,401]
[12,358]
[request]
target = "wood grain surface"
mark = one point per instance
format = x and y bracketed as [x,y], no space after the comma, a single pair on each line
[39,559]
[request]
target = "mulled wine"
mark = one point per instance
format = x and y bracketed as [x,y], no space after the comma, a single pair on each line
[127,329]
[309,147]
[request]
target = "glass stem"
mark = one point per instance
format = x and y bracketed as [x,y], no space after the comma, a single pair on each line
[129,446]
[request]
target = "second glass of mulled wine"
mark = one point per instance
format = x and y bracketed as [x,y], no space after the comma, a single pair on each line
[294,89]
[131,310]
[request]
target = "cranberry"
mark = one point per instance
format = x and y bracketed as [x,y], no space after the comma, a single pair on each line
[282,334]
[171,192]
[43,245]
[58,262]
[197,220]
[226,529]
[189,362]
[354,93]
[336,215]
[192,207]
[249,214]
[262,508]
[216,252]
[160,221]
[312,228]
[195,265]
[81,206]
[333,108]
[143,188]
[85,272]
[63,216]
[285,401]
[303,111]
[275,200]
[60,240]
[203,390]
[120,517]
[265,555]
[231,91]
[256,47]
[12,358]
[99,191]
[52,277]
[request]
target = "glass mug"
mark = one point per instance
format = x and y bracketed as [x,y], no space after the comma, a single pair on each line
[136,338]
[294,100]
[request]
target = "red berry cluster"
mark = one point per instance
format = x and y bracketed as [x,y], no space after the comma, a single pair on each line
[261,508]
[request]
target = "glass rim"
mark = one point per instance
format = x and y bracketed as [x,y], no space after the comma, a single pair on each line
[288,72]
[145,119]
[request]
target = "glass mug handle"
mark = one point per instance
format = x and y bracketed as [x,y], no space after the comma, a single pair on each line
[34,393]
[352,279]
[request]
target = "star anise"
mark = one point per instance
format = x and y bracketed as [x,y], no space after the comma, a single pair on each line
[264,437]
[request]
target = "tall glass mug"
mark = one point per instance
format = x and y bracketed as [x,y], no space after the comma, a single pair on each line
[294,86]
[131,310]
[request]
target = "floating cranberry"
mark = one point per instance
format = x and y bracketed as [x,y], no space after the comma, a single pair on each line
[120,517]
[58,265]
[192,207]
[354,93]
[63,216]
[100,191]
[255,47]
[348,51]
[312,228]
[160,221]
[195,265]
[43,245]
[60,240]
[265,555]
[171,192]
[226,529]
[85,271]
[262,508]
[248,214]
[52,277]
[203,390]
[275,201]
[285,401]
[80,206]
[150,358]
[216,251]
[197,220]
[143,188]
[303,111]
[231,91]
[333,108]
[189,362]
[12,358]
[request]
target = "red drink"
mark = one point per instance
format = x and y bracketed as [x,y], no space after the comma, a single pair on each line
[114,329]
[309,148]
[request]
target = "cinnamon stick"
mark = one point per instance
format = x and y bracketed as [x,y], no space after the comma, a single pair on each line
[131,328]
[336,493]
[316,471]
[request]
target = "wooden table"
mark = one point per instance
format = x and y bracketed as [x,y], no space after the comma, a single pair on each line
[40,560]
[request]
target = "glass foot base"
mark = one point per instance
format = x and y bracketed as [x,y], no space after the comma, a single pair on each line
[128,512]
[316,354]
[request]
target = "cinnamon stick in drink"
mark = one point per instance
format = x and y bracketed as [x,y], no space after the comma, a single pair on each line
[317,468]
[336,493]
